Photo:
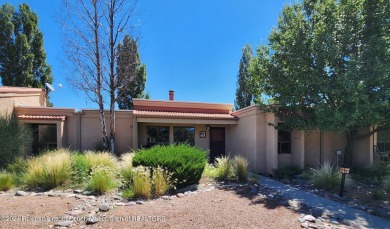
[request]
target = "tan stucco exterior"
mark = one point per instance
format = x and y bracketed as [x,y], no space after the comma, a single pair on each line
[247,131]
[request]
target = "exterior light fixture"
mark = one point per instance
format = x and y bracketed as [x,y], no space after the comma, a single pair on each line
[344,170]
[208,127]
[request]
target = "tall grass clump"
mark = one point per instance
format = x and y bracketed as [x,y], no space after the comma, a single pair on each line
[126,167]
[80,168]
[18,169]
[141,185]
[49,170]
[241,168]
[6,182]
[13,136]
[326,177]
[225,169]
[102,179]
[184,162]
[100,158]
[161,181]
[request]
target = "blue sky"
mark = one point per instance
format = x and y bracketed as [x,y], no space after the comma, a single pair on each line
[190,46]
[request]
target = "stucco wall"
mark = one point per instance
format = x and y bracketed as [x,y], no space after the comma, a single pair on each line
[9,100]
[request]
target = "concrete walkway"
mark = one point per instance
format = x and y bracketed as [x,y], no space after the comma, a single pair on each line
[355,217]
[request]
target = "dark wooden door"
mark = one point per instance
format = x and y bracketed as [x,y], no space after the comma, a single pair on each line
[217,143]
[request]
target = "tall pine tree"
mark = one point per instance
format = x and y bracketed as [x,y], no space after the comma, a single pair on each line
[244,96]
[129,67]
[22,55]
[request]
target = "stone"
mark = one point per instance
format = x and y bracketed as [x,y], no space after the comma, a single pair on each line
[70,195]
[75,212]
[91,197]
[180,195]
[78,196]
[131,203]
[21,193]
[305,225]
[120,204]
[87,193]
[313,226]
[52,194]
[91,219]
[117,197]
[37,194]
[65,223]
[104,207]
[77,191]
[309,218]
[165,197]
[140,202]
[334,222]
[301,220]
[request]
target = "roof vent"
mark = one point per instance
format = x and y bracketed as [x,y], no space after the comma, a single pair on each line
[171,95]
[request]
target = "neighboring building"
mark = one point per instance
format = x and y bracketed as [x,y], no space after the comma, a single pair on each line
[211,126]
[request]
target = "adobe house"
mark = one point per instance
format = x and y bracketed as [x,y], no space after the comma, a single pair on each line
[211,126]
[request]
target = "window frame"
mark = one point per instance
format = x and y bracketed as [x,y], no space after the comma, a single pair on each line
[192,142]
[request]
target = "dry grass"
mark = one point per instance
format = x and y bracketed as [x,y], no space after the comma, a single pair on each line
[100,158]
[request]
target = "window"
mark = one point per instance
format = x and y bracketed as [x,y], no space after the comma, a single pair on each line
[184,135]
[284,142]
[157,135]
[44,137]
[383,141]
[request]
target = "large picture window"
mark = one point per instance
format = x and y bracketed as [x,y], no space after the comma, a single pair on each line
[383,141]
[184,135]
[158,135]
[284,142]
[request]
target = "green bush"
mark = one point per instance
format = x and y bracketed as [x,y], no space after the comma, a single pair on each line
[49,170]
[185,163]
[13,137]
[210,171]
[373,173]
[141,182]
[326,177]
[5,181]
[287,172]
[102,179]
[241,168]
[225,170]
[378,194]
[80,168]
[386,184]
[18,169]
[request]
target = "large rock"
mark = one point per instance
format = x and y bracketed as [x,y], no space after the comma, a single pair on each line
[104,207]
[65,223]
[21,193]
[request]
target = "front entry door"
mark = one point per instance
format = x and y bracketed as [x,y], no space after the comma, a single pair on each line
[217,143]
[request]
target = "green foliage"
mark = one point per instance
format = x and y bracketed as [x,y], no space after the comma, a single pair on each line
[386,184]
[80,168]
[244,94]
[13,137]
[371,174]
[287,172]
[22,54]
[326,177]
[6,182]
[102,179]
[18,169]
[185,163]
[141,185]
[49,170]
[378,194]
[210,171]
[130,69]
[241,168]
[326,66]
[225,169]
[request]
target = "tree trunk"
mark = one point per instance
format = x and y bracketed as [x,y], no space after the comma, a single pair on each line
[348,149]
[112,77]
[103,123]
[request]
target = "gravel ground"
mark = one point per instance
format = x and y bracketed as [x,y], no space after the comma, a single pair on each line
[211,208]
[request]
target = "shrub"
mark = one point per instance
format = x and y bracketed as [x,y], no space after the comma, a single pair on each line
[210,171]
[241,168]
[49,170]
[100,158]
[185,163]
[126,166]
[102,179]
[373,173]
[225,169]
[386,184]
[18,169]
[141,182]
[13,137]
[5,181]
[80,168]
[378,194]
[287,172]
[326,177]
[161,181]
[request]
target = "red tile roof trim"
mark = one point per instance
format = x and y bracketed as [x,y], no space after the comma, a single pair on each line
[43,117]
[165,114]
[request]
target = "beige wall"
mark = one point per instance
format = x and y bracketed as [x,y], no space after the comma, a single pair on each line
[9,100]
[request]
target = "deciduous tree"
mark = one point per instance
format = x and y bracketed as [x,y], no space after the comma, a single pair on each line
[327,66]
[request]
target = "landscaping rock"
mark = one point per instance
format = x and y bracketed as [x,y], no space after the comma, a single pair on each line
[91,219]
[165,197]
[305,225]
[37,194]
[309,218]
[104,207]
[70,195]
[80,196]
[52,194]
[77,191]
[75,212]
[91,197]
[180,195]
[116,197]
[65,223]
[120,204]
[131,203]
[140,202]
[21,193]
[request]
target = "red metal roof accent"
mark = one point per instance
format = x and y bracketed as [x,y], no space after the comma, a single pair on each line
[182,115]
[43,117]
